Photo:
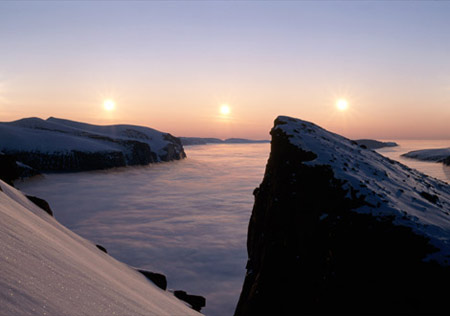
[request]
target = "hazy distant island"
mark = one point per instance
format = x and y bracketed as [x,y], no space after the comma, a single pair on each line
[337,228]
[436,155]
[375,144]
[56,145]
[203,141]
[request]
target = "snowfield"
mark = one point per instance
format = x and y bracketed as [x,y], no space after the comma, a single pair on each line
[412,198]
[63,145]
[46,269]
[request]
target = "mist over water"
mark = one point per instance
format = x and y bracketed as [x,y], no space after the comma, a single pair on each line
[187,219]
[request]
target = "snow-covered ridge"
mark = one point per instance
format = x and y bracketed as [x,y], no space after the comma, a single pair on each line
[413,198]
[47,269]
[63,145]
[337,228]
[437,155]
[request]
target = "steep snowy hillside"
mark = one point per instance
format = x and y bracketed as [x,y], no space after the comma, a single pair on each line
[62,145]
[338,228]
[437,154]
[48,270]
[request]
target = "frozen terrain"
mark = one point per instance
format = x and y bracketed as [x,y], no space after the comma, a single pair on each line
[437,155]
[403,190]
[337,228]
[63,145]
[47,269]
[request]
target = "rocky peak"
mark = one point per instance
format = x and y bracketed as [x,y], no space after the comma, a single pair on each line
[338,228]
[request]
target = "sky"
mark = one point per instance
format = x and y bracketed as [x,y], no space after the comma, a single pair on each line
[172,65]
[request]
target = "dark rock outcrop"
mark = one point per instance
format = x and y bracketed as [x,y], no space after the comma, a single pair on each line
[196,301]
[101,248]
[158,279]
[338,229]
[43,204]
[9,171]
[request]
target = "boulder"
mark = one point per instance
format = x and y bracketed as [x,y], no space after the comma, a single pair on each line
[196,301]
[43,204]
[158,279]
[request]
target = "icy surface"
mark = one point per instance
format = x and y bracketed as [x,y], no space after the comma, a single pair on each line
[48,270]
[59,136]
[407,195]
[438,154]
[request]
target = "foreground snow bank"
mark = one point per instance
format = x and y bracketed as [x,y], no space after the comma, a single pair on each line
[63,145]
[47,269]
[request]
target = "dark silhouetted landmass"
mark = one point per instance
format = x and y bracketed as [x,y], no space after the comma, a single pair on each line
[340,229]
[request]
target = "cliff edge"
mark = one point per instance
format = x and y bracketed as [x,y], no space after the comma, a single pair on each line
[338,228]
[66,146]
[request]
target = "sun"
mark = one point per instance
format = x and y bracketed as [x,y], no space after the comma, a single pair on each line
[109,105]
[225,109]
[342,104]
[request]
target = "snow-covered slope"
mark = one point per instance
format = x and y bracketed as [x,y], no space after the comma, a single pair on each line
[48,270]
[63,145]
[338,228]
[437,154]
[402,192]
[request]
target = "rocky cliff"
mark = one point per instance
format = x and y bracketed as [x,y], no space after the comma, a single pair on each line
[338,228]
[62,145]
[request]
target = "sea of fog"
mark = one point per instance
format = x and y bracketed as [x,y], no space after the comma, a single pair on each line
[187,219]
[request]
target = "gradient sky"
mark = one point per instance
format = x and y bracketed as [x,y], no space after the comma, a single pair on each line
[170,65]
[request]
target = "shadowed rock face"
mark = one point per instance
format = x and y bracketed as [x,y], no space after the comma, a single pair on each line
[311,252]
[196,301]
[43,204]
[9,170]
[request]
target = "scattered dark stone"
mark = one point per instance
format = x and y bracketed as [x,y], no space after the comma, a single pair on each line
[433,198]
[102,248]
[43,204]
[158,279]
[196,301]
